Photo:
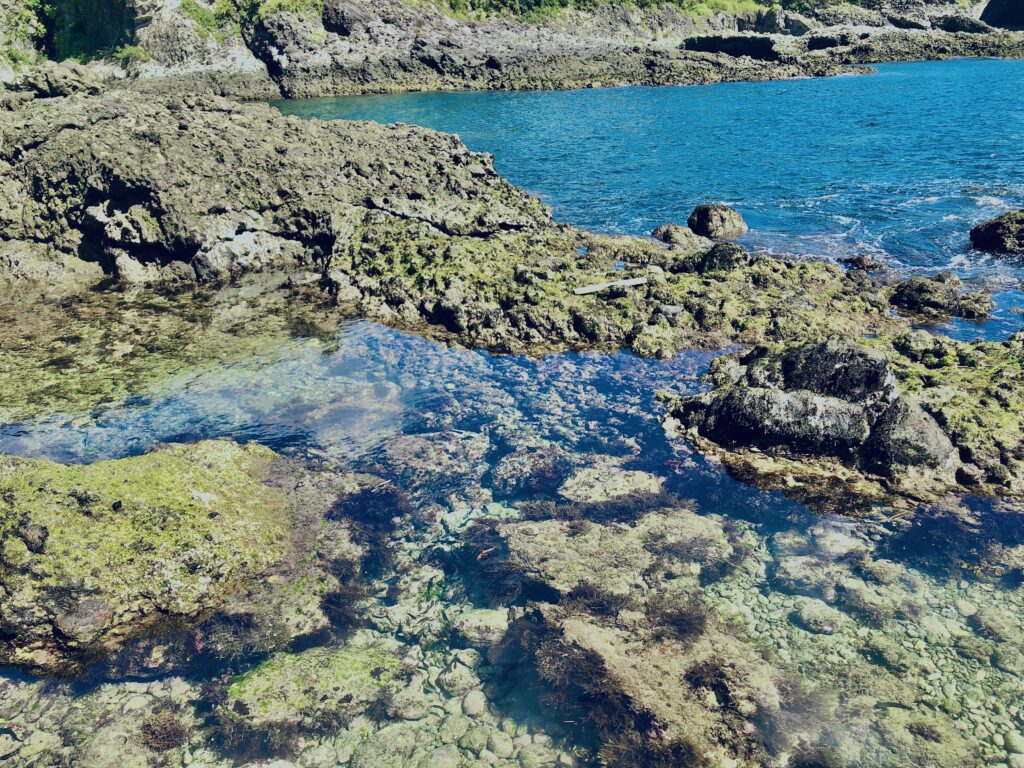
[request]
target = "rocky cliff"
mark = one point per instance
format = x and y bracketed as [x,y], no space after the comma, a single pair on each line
[298,48]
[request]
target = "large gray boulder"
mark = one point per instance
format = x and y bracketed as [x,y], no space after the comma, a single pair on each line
[823,399]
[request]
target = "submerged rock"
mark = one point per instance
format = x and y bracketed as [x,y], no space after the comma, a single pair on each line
[291,693]
[1004,234]
[717,221]
[98,558]
[96,554]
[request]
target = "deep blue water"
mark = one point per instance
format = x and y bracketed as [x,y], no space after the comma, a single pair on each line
[901,164]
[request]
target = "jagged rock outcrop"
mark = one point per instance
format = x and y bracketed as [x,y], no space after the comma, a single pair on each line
[403,224]
[1007,14]
[1004,234]
[185,190]
[823,400]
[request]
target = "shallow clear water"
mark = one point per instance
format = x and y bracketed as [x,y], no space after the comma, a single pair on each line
[900,163]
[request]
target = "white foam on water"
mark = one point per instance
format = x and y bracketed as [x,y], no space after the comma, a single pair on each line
[990,201]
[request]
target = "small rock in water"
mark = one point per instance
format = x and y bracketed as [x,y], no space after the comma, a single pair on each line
[816,616]
[1004,234]
[442,757]
[717,221]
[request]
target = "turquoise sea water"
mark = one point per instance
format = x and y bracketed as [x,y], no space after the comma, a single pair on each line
[900,164]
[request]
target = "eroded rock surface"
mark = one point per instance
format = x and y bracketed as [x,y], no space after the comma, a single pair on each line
[915,415]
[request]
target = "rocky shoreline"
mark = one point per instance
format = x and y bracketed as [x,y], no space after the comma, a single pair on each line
[266,50]
[218,603]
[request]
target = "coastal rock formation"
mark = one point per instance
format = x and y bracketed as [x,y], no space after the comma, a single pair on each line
[940,296]
[830,398]
[1007,14]
[1004,234]
[259,49]
[717,221]
[96,555]
[915,416]
[182,190]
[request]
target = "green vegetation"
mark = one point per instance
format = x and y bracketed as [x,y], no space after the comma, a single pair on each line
[94,554]
[291,692]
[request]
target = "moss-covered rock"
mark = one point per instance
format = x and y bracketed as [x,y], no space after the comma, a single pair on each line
[319,688]
[94,555]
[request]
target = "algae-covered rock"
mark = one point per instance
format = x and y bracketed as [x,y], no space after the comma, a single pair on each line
[319,688]
[96,555]
[796,416]
[940,297]
[620,636]
[717,221]
[424,235]
[1004,234]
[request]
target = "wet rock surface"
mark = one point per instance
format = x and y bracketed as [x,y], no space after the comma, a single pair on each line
[842,410]
[717,221]
[98,555]
[1004,234]
[769,626]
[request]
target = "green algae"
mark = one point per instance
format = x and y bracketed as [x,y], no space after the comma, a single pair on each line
[516,292]
[71,356]
[316,688]
[93,554]
[975,393]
